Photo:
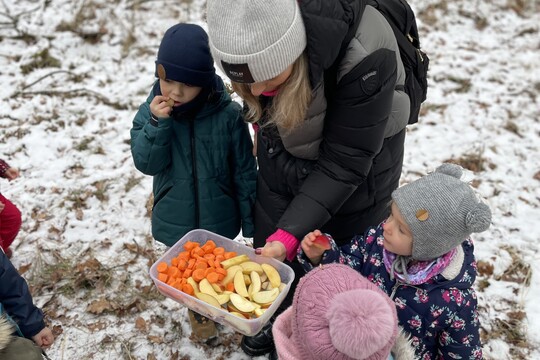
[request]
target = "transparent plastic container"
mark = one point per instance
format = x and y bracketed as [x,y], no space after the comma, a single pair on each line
[247,327]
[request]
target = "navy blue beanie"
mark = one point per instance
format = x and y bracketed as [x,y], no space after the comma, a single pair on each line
[184,56]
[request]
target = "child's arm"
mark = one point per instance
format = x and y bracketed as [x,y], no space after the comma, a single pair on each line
[244,173]
[461,338]
[17,301]
[150,140]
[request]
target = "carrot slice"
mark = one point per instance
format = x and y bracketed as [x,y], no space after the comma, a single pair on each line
[184,255]
[173,271]
[189,245]
[163,277]
[191,263]
[198,274]
[230,286]
[219,251]
[212,277]
[229,254]
[221,271]
[188,289]
[187,273]
[201,265]
[162,267]
[208,271]
[182,264]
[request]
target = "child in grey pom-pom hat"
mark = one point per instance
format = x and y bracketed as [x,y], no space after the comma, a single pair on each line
[423,258]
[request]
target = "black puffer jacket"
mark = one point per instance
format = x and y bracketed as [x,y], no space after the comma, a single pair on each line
[337,170]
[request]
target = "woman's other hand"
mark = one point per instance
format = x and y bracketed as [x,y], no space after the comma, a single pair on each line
[273,249]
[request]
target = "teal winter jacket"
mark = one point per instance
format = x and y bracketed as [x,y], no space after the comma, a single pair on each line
[203,168]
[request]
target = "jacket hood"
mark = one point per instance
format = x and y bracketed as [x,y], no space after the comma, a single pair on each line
[330,25]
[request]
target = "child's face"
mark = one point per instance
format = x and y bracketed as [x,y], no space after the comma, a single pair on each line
[397,235]
[181,93]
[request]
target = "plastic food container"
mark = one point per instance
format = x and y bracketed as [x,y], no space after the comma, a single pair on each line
[247,327]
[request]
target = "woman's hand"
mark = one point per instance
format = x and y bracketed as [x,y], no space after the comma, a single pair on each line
[273,249]
[312,251]
[44,338]
[161,106]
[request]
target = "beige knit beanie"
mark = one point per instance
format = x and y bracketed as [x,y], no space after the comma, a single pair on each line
[255,40]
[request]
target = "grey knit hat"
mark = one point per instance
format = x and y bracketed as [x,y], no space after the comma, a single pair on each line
[441,211]
[255,40]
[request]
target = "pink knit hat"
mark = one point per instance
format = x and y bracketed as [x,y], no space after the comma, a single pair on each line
[336,314]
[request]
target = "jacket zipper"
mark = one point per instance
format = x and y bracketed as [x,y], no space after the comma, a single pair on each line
[194,169]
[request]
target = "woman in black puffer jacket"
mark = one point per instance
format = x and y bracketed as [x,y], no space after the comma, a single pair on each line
[320,82]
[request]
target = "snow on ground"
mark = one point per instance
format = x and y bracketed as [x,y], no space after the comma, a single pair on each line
[73,75]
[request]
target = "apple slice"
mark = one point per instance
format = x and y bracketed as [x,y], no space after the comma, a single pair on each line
[237,260]
[265,297]
[273,274]
[322,242]
[209,299]
[240,285]
[206,287]
[242,304]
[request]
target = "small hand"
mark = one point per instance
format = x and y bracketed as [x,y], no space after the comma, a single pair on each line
[11,173]
[273,249]
[312,251]
[161,106]
[44,338]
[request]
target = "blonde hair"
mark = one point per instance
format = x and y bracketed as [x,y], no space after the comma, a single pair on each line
[289,106]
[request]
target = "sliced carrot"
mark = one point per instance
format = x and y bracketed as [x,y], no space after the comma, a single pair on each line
[208,271]
[219,258]
[163,277]
[182,264]
[221,277]
[174,261]
[201,265]
[219,251]
[171,281]
[162,267]
[184,255]
[198,274]
[211,263]
[229,254]
[230,286]
[189,245]
[187,273]
[173,271]
[200,252]
[188,289]
[212,277]
[178,284]
[191,263]
[209,256]
[221,271]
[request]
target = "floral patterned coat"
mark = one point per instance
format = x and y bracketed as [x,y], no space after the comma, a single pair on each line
[440,315]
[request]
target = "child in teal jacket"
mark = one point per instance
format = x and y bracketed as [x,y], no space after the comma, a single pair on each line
[191,137]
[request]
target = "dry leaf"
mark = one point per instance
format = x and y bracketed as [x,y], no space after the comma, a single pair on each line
[140,324]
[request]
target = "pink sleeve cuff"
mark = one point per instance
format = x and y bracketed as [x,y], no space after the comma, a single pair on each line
[286,238]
